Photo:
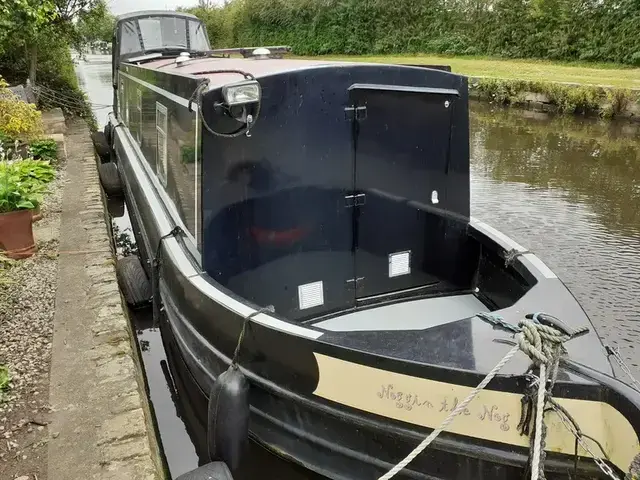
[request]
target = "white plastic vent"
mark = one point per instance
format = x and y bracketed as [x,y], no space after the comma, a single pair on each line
[399,264]
[161,150]
[310,295]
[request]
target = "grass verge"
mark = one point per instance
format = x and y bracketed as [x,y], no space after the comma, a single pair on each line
[602,74]
[608,90]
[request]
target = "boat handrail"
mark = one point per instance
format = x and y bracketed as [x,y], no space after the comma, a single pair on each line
[247,52]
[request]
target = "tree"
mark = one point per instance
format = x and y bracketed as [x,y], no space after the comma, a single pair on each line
[95,25]
[30,23]
[23,20]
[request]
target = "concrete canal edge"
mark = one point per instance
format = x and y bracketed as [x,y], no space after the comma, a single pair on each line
[101,424]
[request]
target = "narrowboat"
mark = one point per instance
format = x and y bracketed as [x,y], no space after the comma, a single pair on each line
[309,221]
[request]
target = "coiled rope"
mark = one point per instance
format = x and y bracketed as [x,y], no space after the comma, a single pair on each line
[543,344]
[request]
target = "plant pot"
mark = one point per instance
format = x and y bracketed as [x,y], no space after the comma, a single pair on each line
[16,234]
[36,215]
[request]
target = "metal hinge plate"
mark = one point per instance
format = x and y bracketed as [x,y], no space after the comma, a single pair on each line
[355,280]
[357,113]
[355,200]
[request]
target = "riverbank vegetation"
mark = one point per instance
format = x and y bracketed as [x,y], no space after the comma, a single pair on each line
[605,89]
[568,30]
[531,70]
[36,37]
[579,55]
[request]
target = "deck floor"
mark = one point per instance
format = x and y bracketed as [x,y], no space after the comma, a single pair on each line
[412,315]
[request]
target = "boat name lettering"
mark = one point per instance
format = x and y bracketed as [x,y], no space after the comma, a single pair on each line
[492,415]
[403,399]
[445,407]
[407,401]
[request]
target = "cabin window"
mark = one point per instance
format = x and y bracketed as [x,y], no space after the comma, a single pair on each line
[161,146]
[163,32]
[139,115]
[197,36]
[129,39]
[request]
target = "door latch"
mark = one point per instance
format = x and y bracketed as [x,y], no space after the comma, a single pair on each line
[355,113]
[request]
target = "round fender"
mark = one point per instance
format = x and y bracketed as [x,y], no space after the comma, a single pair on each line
[228,418]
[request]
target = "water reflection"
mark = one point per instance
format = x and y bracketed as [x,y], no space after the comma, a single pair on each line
[596,162]
[569,190]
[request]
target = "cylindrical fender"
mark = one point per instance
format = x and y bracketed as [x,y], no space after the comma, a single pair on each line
[228,418]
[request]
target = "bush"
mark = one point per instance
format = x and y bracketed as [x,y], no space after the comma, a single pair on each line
[18,119]
[23,183]
[55,72]
[45,149]
[559,29]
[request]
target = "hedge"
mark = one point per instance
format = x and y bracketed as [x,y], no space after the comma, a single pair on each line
[588,30]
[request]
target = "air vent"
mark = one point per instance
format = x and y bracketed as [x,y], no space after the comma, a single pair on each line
[399,264]
[310,295]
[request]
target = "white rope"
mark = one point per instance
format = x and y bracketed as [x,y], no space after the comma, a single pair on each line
[542,384]
[427,441]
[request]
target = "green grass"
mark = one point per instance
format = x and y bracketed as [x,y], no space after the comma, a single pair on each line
[531,70]
[4,380]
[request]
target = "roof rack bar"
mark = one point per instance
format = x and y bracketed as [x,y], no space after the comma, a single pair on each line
[248,51]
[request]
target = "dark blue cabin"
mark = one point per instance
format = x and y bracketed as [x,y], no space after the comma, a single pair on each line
[353,185]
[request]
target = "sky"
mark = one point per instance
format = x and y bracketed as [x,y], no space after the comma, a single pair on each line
[119,7]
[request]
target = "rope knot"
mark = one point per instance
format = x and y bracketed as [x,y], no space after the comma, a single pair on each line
[540,342]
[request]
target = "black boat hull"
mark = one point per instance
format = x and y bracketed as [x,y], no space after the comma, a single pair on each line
[341,443]
[337,401]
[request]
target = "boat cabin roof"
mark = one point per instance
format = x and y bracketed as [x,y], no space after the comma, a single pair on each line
[155,13]
[208,67]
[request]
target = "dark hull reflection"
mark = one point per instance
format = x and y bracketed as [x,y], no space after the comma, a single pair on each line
[177,403]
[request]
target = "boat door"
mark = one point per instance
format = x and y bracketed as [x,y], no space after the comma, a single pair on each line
[401,147]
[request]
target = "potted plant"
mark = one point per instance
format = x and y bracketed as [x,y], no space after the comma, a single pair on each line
[34,174]
[19,196]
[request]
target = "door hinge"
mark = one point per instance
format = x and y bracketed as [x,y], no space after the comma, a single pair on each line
[355,113]
[355,200]
[355,280]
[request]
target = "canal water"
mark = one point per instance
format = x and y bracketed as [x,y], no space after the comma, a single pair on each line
[566,188]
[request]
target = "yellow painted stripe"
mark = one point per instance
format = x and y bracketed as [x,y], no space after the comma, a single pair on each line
[492,415]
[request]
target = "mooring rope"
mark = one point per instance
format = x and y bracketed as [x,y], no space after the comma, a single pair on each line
[459,409]
[543,344]
[634,469]
[537,466]
[155,273]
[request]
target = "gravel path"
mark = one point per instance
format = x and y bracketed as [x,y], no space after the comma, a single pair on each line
[27,301]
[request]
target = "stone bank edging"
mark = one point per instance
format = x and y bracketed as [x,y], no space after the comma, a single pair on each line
[118,343]
[101,424]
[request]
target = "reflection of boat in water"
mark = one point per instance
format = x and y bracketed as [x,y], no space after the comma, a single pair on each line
[337,194]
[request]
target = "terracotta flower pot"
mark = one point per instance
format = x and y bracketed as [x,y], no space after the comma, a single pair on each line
[16,234]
